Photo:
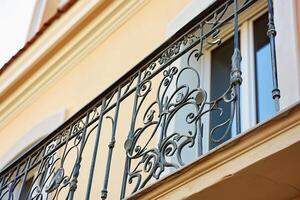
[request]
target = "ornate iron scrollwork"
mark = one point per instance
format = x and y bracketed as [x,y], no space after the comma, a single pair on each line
[169,117]
[55,181]
[174,95]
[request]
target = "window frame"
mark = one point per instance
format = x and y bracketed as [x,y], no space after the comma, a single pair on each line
[248,86]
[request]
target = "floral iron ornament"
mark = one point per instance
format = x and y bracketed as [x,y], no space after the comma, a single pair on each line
[175,97]
[55,181]
[171,115]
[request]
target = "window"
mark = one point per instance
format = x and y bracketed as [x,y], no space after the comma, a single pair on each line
[214,68]
[263,70]
[219,82]
[257,78]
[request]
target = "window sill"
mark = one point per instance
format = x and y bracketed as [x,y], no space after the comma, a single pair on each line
[256,148]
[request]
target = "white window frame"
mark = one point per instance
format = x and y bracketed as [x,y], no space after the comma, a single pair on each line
[38,132]
[286,25]
[248,87]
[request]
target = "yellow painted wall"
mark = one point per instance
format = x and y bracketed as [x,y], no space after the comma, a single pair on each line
[122,50]
[134,40]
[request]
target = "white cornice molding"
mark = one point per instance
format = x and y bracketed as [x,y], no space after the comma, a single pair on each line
[45,42]
[84,42]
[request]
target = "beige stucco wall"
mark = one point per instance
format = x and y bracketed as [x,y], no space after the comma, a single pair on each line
[112,58]
[124,48]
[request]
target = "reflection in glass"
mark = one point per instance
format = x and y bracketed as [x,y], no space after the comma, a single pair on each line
[220,81]
[263,70]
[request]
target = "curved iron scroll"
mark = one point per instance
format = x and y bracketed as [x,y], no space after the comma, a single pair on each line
[155,143]
[175,96]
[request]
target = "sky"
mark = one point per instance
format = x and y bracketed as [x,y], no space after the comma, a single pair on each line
[15,18]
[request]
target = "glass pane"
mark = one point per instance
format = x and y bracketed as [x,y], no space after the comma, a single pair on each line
[220,80]
[263,70]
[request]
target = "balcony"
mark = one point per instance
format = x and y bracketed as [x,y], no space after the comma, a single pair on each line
[159,121]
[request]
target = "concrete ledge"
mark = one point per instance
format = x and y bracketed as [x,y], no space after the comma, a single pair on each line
[247,149]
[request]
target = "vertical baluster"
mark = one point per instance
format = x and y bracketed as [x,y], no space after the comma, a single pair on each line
[129,138]
[199,124]
[25,175]
[92,168]
[2,184]
[12,185]
[69,135]
[272,33]
[39,170]
[74,181]
[236,74]
[67,142]
[111,146]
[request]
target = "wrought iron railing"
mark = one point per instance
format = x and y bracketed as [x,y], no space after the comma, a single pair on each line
[158,110]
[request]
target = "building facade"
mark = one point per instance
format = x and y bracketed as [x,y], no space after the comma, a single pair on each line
[187,99]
